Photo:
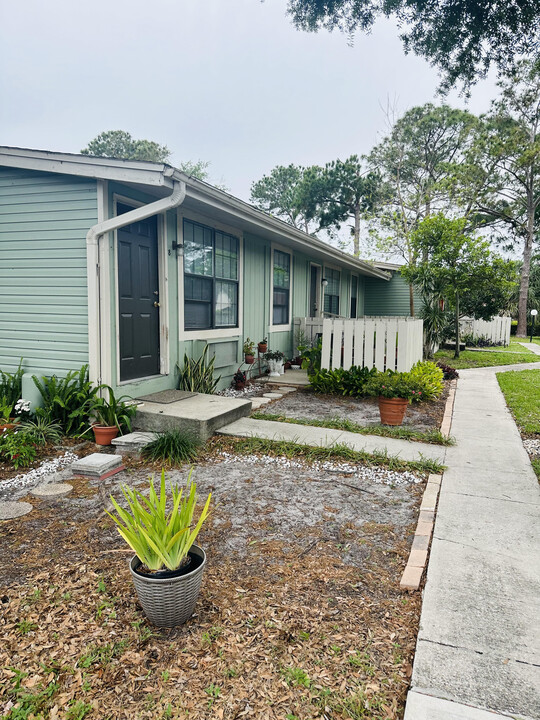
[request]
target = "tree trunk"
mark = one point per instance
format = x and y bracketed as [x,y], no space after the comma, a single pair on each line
[356,251]
[458,339]
[521,330]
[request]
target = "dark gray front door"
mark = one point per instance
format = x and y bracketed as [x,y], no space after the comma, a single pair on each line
[313,288]
[138,298]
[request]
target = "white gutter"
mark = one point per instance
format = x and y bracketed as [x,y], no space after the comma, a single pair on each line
[93,236]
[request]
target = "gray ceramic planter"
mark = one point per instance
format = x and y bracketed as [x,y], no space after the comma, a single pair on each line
[168,601]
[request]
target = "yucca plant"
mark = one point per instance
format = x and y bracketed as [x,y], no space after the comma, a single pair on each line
[198,375]
[160,539]
[42,431]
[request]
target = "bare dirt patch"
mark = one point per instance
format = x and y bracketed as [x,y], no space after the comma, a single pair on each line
[300,613]
[305,405]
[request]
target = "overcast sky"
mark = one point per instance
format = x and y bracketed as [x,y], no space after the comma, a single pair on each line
[228,81]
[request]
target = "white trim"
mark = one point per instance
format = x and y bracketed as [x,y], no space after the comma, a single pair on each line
[211,333]
[163,280]
[104,252]
[93,292]
[286,251]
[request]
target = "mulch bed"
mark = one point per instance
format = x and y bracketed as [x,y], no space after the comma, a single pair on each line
[300,613]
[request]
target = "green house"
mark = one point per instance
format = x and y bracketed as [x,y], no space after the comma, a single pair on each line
[128,265]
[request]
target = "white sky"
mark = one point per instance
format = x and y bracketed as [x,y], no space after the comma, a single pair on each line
[228,81]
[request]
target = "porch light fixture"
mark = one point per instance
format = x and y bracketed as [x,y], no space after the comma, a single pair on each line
[534,313]
[324,282]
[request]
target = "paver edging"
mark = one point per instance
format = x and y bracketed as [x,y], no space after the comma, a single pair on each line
[448,409]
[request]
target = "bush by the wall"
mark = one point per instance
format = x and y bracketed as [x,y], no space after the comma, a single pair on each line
[341,382]
[429,378]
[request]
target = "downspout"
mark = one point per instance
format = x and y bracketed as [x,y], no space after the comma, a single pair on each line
[93,236]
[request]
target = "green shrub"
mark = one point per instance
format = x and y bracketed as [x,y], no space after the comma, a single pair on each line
[17,448]
[198,375]
[430,379]
[391,384]
[173,447]
[342,382]
[41,431]
[311,358]
[11,385]
[66,400]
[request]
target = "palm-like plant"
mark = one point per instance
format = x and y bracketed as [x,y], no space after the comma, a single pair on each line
[160,539]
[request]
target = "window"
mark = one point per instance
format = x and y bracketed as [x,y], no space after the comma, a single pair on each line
[210,278]
[354,295]
[281,288]
[331,292]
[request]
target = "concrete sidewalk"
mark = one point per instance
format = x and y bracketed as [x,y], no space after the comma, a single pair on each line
[326,437]
[533,347]
[478,650]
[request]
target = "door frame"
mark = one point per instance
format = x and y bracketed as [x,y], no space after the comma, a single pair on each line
[163,281]
[318,290]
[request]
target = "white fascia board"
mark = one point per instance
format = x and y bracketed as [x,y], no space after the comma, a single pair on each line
[213,197]
[142,173]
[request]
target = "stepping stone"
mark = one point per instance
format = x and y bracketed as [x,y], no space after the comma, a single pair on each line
[286,389]
[98,465]
[52,490]
[10,510]
[272,395]
[259,402]
[132,443]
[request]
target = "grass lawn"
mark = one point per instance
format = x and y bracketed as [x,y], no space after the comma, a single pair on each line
[300,615]
[512,355]
[522,394]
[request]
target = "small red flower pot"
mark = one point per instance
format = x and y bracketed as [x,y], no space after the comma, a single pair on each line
[104,434]
[249,359]
[392,410]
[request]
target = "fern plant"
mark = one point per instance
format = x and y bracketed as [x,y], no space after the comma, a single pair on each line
[160,539]
[66,400]
[198,375]
[11,385]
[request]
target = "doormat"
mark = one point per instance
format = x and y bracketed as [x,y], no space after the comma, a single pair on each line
[167,396]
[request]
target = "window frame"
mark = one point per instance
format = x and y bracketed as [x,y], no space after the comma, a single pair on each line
[357,278]
[288,325]
[212,333]
[339,296]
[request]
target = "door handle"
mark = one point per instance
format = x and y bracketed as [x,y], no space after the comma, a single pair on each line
[156,304]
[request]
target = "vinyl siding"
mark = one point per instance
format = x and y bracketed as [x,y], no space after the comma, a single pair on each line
[387,297]
[44,219]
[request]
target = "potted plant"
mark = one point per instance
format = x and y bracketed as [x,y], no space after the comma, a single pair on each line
[249,351]
[111,416]
[395,390]
[239,380]
[167,567]
[274,358]
[263,346]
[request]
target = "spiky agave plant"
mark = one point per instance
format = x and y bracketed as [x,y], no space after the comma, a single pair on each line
[160,539]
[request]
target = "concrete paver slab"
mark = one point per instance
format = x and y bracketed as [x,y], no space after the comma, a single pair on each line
[10,510]
[132,443]
[96,464]
[326,437]
[50,491]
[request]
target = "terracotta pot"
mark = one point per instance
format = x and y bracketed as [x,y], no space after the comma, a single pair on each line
[104,433]
[392,410]
[263,347]
[7,426]
[239,385]
[249,359]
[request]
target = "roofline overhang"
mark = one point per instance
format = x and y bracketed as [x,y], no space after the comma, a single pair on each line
[157,175]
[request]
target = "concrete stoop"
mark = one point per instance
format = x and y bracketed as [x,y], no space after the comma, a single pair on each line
[202,415]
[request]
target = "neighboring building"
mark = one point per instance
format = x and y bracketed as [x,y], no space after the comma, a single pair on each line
[389,298]
[128,265]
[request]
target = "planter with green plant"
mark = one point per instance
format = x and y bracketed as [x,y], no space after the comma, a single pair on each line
[395,390]
[263,346]
[249,351]
[110,416]
[167,567]
[275,359]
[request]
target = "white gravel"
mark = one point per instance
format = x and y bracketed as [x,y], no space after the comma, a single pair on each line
[248,391]
[48,467]
[532,446]
[377,475]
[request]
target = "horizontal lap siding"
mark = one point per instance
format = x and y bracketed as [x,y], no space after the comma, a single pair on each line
[384,297]
[44,219]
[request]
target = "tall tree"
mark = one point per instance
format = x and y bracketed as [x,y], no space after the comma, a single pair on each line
[458,265]
[120,144]
[462,38]
[344,190]
[414,160]
[500,184]
[279,193]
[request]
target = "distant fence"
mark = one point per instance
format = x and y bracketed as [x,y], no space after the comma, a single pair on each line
[386,343]
[497,330]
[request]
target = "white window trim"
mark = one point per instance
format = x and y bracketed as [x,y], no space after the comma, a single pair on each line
[213,333]
[163,284]
[287,326]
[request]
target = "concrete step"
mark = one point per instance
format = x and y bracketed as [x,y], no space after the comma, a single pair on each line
[201,415]
[326,437]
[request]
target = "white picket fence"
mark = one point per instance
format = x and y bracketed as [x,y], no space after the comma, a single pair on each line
[384,343]
[497,330]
